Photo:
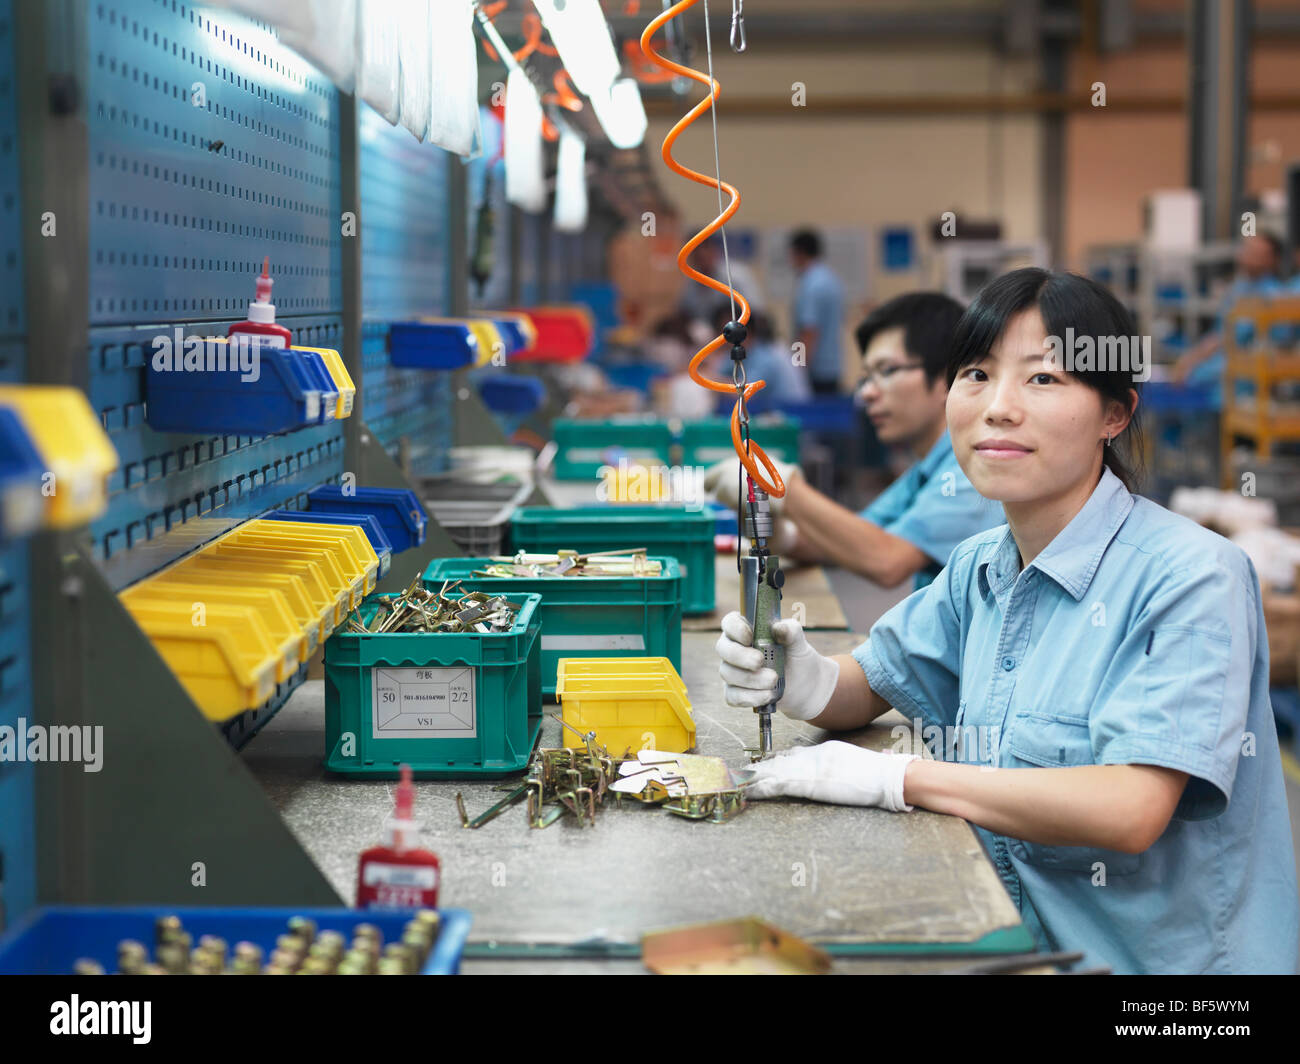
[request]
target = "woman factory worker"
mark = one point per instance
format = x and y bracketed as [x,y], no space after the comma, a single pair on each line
[1103,661]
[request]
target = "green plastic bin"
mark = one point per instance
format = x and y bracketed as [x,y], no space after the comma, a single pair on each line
[582,447]
[707,441]
[675,531]
[451,706]
[588,616]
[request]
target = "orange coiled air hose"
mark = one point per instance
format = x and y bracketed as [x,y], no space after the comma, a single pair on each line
[748,450]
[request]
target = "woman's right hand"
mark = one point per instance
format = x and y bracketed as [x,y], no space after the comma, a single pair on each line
[810,677]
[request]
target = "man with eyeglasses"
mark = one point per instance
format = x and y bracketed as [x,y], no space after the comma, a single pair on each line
[913,525]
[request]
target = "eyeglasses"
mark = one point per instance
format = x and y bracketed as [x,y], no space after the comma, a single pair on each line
[883,376]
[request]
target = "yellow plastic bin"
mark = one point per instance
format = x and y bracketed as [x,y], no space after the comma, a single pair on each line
[72,443]
[272,607]
[353,535]
[292,586]
[630,703]
[359,571]
[227,666]
[345,573]
[321,573]
[339,374]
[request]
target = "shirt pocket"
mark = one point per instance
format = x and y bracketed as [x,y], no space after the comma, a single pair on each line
[1050,740]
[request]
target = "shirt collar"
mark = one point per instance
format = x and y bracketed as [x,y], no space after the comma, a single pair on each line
[1071,559]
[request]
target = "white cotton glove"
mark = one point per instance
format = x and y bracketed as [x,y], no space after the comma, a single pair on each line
[810,678]
[833,772]
[723,481]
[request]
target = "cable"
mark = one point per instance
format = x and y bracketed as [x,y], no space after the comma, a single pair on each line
[750,453]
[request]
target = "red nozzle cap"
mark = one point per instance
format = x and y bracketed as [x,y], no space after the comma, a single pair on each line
[264,282]
[405,796]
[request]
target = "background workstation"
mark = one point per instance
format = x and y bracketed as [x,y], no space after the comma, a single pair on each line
[931,146]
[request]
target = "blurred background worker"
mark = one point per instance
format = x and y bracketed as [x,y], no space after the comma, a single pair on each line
[1258,260]
[817,315]
[912,527]
[700,302]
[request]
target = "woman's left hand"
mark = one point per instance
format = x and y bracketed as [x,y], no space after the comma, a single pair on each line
[836,772]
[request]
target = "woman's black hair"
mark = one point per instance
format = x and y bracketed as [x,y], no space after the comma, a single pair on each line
[1067,302]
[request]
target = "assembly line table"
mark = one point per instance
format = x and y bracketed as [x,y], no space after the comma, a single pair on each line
[824,872]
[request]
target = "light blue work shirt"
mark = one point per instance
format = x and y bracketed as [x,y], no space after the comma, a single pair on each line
[933,506]
[1210,372]
[1135,637]
[819,304]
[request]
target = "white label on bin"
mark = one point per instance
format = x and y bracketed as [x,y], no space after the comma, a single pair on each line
[423,877]
[423,704]
[593,642]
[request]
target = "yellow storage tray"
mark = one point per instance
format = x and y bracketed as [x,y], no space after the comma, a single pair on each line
[354,543]
[325,583]
[73,445]
[227,666]
[636,703]
[292,586]
[342,379]
[286,632]
[349,576]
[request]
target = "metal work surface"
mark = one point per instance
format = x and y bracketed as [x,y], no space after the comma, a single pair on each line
[825,872]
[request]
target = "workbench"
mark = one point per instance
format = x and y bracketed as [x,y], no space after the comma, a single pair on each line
[905,885]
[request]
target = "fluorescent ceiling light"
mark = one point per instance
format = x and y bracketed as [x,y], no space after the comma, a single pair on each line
[581,36]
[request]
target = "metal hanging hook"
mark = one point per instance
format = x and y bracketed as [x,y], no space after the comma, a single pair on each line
[738,25]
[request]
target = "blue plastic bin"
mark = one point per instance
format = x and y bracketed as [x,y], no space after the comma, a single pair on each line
[432,345]
[50,940]
[397,510]
[217,400]
[366,522]
[506,394]
[512,333]
[324,380]
[21,471]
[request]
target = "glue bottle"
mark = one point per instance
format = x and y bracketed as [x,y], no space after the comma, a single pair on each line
[260,322]
[399,875]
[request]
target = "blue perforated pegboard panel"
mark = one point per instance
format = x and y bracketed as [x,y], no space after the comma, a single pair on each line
[17,779]
[12,316]
[172,493]
[404,237]
[406,402]
[211,146]
[17,782]
[403,222]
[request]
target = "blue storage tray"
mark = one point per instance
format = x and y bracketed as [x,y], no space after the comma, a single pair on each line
[512,333]
[397,510]
[214,400]
[504,394]
[50,940]
[21,471]
[366,522]
[432,345]
[321,377]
